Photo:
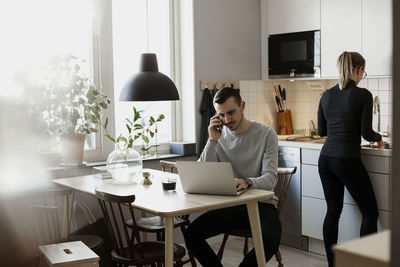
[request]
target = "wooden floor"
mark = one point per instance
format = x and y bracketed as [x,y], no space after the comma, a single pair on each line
[233,255]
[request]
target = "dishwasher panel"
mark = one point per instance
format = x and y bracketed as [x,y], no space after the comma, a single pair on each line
[291,214]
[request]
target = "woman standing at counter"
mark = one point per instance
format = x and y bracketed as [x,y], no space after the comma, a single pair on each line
[344,114]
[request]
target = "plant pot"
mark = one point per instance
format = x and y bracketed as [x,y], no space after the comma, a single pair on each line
[72,148]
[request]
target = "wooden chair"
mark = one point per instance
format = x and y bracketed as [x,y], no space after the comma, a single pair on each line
[284,177]
[52,216]
[125,250]
[156,224]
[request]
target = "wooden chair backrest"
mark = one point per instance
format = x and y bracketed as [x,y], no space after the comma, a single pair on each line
[284,178]
[112,207]
[168,164]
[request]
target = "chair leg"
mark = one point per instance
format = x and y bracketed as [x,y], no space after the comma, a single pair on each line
[278,258]
[159,236]
[246,246]
[220,253]
[178,263]
[192,260]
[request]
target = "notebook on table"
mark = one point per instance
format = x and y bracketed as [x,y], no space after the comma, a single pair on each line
[214,178]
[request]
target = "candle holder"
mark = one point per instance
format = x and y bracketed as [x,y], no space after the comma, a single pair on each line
[156,154]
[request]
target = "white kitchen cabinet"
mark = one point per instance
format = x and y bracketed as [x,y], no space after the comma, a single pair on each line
[313,215]
[310,156]
[378,164]
[340,31]
[313,211]
[284,16]
[311,186]
[350,222]
[377,37]
[313,199]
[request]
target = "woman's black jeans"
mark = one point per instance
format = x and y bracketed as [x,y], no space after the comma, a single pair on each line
[335,174]
[212,223]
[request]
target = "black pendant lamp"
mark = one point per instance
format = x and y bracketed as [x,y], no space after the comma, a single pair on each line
[149,84]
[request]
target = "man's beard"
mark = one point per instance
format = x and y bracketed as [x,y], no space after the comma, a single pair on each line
[240,122]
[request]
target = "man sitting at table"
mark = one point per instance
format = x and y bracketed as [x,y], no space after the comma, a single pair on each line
[252,148]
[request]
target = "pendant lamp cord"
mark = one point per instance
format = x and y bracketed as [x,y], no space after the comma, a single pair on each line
[147,24]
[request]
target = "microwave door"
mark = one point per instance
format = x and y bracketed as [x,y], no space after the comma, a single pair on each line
[292,53]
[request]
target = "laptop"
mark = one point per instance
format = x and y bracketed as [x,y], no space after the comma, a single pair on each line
[213,178]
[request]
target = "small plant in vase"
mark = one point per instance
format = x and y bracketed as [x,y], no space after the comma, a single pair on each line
[125,163]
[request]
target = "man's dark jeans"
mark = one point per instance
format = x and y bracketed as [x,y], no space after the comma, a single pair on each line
[335,174]
[219,221]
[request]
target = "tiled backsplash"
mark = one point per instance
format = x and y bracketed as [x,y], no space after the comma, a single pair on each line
[302,98]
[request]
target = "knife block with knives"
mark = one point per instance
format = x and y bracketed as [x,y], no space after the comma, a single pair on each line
[285,125]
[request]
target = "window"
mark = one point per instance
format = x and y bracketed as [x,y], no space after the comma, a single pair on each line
[88,29]
[139,27]
[33,32]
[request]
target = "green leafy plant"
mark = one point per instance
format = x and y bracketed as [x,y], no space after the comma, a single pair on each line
[66,99]
[137,128]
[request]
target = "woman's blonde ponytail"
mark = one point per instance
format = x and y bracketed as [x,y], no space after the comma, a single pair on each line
[346,63]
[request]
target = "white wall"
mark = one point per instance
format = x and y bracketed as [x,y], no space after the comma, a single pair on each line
[303,98]
[227,43]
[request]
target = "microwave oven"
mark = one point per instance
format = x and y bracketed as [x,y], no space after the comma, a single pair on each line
[294,55]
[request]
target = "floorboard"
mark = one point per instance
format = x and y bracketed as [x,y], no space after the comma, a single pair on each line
[291,257]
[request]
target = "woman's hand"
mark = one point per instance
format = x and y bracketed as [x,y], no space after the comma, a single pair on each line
[379,144]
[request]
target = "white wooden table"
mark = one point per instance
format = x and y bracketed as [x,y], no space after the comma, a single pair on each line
[169,204]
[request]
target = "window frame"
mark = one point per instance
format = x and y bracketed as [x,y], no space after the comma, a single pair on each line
[103,73]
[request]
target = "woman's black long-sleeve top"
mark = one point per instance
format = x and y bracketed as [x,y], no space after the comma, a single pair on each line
[343,116]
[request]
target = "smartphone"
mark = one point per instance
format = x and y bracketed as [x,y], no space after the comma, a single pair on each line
[219,127]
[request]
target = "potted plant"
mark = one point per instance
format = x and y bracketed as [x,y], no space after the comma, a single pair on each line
[137,128]
[125,163]
[69,104]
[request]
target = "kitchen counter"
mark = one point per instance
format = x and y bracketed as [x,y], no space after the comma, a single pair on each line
[312,145]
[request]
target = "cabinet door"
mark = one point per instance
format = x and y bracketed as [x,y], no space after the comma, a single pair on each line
[340,31]
[285,16]
[377,38]
[313,211]
[378,164]
[310,156]
[381,184]
[313,215]
[311,185]
[350,222]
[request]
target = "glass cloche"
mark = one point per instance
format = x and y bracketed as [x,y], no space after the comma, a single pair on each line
[125,165]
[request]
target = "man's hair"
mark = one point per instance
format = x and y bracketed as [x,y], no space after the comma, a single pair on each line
[223,94]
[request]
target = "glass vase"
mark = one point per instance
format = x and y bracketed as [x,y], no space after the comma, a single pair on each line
[125,165]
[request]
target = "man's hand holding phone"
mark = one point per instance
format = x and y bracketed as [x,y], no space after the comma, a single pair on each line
[215,128]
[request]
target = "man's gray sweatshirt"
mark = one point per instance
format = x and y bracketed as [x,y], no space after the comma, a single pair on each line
[253,154]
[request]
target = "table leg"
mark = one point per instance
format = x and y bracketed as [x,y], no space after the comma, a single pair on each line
[169,241]
[254,217]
